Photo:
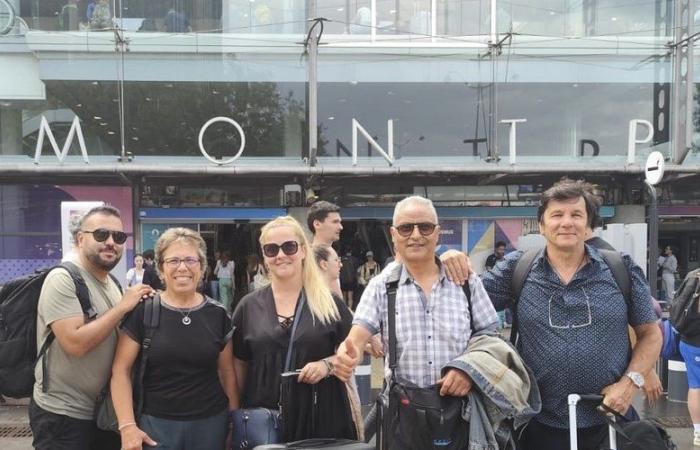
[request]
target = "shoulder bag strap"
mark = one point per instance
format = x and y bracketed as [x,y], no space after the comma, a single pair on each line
[466,288]
[297,317]
[517,281]
[391,289]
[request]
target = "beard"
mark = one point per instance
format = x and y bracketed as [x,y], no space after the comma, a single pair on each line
[98,261]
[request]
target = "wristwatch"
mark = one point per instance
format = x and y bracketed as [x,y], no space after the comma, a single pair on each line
[636,378]
[329,366]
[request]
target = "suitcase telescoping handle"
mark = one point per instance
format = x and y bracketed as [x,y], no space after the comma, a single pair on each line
[573,400]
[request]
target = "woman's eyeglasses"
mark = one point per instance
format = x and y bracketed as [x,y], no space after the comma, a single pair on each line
[424,228]
[175,262]
[289,248]
[102,234]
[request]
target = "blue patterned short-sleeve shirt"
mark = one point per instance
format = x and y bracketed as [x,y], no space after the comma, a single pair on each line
[432,328]
[574,336]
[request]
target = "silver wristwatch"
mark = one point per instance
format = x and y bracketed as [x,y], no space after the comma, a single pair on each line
[636,378]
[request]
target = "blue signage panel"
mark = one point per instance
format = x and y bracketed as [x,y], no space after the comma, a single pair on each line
[210,214]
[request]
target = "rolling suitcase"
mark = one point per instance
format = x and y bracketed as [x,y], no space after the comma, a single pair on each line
[319,443]
[573,400]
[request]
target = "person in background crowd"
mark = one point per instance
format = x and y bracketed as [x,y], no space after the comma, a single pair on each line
[324,222]
[189,384]
[586,312]
[224,271]
[150,274]
[255,273]
[101,16]
[498,255]
[262,325]
[135,274]
[68,17]
[61,412]
[690,350]
[668,265]
[329,263]
[176,21]
[348,276]
[368,270]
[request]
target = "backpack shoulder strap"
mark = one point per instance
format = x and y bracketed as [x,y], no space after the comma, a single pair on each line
[520,272]
[81,290]
[621,274]
[116,281]
[151,320]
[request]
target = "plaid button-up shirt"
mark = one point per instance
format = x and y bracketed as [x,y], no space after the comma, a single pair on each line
[431,329]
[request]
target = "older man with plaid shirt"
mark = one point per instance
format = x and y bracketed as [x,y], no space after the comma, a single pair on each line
[433,323]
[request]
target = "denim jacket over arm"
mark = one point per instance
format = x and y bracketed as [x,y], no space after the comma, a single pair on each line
[503,388]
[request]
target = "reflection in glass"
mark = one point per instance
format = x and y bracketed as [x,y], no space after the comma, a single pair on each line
[577,18]
[452,119]
[346,16]
[164,118]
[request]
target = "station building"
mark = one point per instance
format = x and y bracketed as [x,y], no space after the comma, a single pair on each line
[222,114]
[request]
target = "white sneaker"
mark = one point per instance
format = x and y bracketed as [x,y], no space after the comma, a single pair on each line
[696,440]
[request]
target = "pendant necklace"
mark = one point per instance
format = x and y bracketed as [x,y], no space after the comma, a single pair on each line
[580,264]
[186,315]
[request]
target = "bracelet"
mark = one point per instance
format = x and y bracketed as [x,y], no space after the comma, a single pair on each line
[329,366]
[124,425]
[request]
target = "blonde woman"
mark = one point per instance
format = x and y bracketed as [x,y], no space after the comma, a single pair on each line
[263,321]
[189,384]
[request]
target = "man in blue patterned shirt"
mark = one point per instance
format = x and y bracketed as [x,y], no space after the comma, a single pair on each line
[572,321]
[432,313]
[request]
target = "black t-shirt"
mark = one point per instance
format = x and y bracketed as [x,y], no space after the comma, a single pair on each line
[182,380]
[151,278]
[259,340]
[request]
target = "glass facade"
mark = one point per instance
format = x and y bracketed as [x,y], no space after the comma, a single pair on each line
[143,78]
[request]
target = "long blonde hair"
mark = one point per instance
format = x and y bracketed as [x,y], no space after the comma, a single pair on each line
[318,296]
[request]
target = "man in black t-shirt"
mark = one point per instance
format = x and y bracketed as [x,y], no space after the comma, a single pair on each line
[150,274]
[498,254]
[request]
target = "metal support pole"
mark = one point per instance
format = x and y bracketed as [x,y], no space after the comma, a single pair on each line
[683,85]
[312,39]
[653,239]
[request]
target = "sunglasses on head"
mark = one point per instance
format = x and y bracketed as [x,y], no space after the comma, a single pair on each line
[424,228]
[102,234]
[289,248]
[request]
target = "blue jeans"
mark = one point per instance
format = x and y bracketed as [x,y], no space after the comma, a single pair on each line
[202,434]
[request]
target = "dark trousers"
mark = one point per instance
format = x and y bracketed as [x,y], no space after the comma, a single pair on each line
[536,436]
[59,432]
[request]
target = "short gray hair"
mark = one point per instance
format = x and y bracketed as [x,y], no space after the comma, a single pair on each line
[76,224]
[414,200]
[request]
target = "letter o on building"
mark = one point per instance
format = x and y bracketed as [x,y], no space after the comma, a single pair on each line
[204,129]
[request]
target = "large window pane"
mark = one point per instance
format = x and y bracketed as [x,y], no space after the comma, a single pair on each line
[165,118]
[581,18]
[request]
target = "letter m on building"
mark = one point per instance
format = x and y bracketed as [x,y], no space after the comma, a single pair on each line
[45,130]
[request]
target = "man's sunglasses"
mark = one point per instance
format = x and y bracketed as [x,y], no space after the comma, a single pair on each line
[289,248]
[424,228]
[102,234]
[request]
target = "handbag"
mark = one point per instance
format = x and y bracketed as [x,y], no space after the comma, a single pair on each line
[645,434]
[260,426]
[105,416]
[412,417]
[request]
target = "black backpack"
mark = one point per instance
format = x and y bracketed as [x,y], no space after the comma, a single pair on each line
[684,306]
[19,299]
[524,265]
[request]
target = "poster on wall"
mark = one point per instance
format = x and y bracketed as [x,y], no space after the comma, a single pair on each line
[70,213]
[450,236]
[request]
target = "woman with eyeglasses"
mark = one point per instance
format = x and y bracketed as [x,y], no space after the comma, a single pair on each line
[316,400]
[189,382]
